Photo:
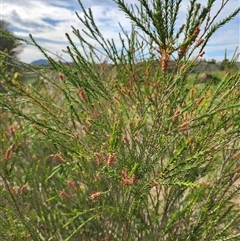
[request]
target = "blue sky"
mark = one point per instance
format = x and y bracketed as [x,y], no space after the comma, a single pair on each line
[49,20]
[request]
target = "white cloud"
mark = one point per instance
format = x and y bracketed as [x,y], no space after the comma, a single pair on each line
[50,20]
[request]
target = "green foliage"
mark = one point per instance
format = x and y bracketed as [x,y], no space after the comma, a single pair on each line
[125,149]
[8,42]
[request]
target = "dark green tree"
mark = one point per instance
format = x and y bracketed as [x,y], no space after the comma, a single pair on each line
[8,42]
[10,48]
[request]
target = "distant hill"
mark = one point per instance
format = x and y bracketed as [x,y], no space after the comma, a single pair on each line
[42,62]
[206,66]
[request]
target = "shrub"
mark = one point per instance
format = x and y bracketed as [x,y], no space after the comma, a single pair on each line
[125,149]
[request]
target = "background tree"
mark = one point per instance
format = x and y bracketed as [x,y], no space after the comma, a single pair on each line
[8,42]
